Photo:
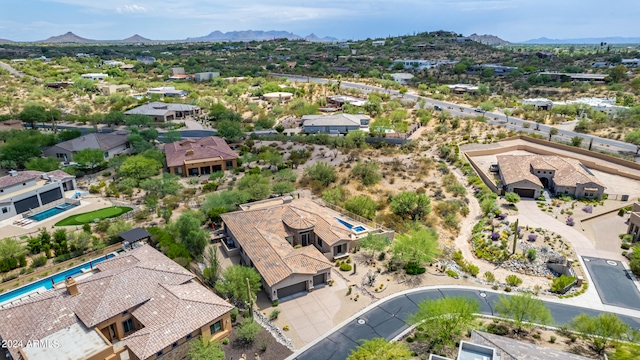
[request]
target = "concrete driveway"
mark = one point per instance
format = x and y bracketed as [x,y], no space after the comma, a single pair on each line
[312,315]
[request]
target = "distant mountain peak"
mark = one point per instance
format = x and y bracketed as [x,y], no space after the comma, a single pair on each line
[490,40]
[136,39]
[68,37]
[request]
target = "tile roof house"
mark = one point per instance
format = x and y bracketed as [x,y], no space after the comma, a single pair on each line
[634,222]
[266,233]
[164,112]
[112,144]
[140,304]
[334,124]
[201,156]
[22,192]
[527,175]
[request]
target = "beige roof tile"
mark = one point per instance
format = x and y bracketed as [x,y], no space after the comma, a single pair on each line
[568,172]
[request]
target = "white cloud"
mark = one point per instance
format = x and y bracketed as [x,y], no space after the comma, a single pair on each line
[131,9]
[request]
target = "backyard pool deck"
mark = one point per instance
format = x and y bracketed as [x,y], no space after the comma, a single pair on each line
[86,204]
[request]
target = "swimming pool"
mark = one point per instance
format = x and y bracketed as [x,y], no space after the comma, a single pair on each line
[357,229]
[48,282]
[52,212]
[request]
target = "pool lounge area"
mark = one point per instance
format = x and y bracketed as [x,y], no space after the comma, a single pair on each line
[42,285]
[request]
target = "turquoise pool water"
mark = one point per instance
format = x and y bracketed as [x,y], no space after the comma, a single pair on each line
[48,282]
[51,212]
[357,229]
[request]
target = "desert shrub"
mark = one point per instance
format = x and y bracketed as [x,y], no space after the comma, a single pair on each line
[532,254]
[497,329]
[39,261]
[234,314]
[413,268]
[248,330]
[561,282]
[532,237]
[452,273]
[513,280]
[345,267]
[274,314]
[489,277]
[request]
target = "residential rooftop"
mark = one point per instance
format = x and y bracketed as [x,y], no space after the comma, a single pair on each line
[568,172]
[211,147]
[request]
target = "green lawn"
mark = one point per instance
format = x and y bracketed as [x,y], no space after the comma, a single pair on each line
[89,217]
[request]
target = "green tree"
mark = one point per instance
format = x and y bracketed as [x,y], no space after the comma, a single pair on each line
[446,318]
[487,205]
[139,167]
[188,229]
[618,73]
[362,205]
[523,309]
[322,172]
[44,164]
[374,243]
[633,137]
[230,130]
[380,349]
[600,331]
[138,143]
[10,248]
[137,120]
[283,187]
[368,173]
[356,138]
[419,246]
[89,158]
[411,204]
[66,135]
[512,197]
[336,195]
[203,349]
[234,282]
[32,114]
[16,154]
[257,186]
[172,136]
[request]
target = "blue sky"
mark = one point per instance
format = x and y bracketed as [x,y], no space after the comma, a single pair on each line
[513,20]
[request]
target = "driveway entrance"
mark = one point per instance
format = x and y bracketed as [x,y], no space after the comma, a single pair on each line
[613,283]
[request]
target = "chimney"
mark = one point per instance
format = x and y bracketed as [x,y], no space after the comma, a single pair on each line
[72,286]
[190,152]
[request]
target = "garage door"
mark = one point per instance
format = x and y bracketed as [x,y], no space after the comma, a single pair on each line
[318,280]
[528,193]
[292,289]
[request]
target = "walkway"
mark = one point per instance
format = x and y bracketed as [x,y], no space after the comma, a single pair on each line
[11,70]
[388,319]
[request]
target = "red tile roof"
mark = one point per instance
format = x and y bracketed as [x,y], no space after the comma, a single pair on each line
[197,149]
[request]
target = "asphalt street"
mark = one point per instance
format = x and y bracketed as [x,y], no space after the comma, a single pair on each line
[511,123]
[387,319]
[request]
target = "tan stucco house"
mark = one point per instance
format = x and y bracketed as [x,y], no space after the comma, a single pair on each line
[291,242]
[527,175]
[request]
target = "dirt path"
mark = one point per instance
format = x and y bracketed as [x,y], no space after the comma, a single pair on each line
[463,243]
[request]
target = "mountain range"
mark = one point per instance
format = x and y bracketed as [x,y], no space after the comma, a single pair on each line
[216,36]
[258,35]
[608,40]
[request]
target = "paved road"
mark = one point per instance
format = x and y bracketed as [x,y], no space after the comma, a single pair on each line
[11,70]
[511,123]
[387,319]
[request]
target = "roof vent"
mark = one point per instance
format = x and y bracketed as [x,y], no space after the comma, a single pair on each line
[190,152]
